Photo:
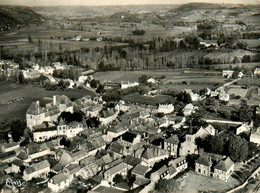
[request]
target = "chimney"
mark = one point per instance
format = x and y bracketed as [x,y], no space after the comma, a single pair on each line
[54,100]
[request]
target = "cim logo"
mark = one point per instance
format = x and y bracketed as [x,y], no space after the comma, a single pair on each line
[17,183]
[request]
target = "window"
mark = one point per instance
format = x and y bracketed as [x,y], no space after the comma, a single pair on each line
[199,170]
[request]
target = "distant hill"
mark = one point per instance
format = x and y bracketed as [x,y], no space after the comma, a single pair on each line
[192,6]
[17,17]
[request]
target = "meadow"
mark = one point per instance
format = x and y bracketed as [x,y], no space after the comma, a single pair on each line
[29,93]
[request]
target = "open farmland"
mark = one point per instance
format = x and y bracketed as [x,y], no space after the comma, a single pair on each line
[10,91]
[173,78]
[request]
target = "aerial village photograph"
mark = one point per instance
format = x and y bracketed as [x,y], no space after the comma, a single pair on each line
[135,96]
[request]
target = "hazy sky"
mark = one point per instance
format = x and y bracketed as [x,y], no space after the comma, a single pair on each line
[115,2]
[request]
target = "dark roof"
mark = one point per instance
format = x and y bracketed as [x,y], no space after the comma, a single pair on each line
[57,179]
[22,155]
[17,162]
[7,154]
[153,152]
[116,147]
[107,113]
[204,160]
[129,137]
[224,165]
[35,109]
[133,161]
[45,129]
[173,139]
[140,169]
[37,166]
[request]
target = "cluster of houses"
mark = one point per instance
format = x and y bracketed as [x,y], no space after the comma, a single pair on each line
[8,68]
[131,139]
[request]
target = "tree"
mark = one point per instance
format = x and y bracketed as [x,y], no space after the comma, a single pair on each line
[42,78]
[235,74]
[94,83]
[130,179]
[30,40]
[100,88]
[138,32]
[213,144]
[237,148]
[143,79]
[66,116]
[17,129]
[21,78]
[184,97]
[65,142]
[77,116]
[93,122]
[167,186]
[245,113]
[118,178]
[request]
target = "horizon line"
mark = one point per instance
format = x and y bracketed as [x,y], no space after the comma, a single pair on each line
[109,5]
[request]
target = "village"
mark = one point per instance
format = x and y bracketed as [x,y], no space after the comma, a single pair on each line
[99,144]
[112,98]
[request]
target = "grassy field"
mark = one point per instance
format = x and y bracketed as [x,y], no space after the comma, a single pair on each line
[244,65]
[140,99]
[19,38]
[173,78]
[195,183]
[10,91]
[252,43]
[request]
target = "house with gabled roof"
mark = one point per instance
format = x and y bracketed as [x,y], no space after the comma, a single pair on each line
[224,169]
[36,115]
[116,149]
[243,128]
[115,131]
[37,170]
[145,113]
[89,170]
[165,172]
[214,165]
[72,170]
[203,165]
[152,155]
[37,150]
[118,169]
[140,182]
[131,161]
[180,163]
[17,164]
[130,138]
[255,137]
[203,132]
[171,145]
[189,109]
[60,182]
[43,134]
[22,155]
[6,147]
[107,116]
[165,108]
[140,170]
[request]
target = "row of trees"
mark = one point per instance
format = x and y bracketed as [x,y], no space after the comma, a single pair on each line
[237,148]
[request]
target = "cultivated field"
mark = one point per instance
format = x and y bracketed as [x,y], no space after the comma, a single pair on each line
[173,78]
[10,91]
